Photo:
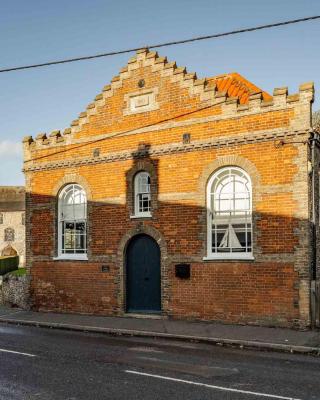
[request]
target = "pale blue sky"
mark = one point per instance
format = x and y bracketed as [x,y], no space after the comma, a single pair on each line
[45,99]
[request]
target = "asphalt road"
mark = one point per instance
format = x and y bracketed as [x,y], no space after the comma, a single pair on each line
[38,363]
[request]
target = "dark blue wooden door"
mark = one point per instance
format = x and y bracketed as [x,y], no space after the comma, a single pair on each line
[143,275]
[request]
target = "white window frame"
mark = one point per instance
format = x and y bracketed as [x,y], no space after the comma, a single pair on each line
[138,193]
[61,254]
[225,255]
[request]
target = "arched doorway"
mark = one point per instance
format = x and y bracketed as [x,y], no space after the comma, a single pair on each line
[143,280]
[9,251]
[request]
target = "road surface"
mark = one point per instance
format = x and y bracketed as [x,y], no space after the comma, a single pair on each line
[39,363]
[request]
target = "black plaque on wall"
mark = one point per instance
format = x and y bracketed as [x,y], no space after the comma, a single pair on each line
[183,271]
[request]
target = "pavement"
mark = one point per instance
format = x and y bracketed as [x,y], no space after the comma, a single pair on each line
[243,336]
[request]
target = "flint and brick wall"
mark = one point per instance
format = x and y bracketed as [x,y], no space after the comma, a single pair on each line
[12,222]
[105,147]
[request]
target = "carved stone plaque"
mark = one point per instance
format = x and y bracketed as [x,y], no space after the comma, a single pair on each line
[142,101]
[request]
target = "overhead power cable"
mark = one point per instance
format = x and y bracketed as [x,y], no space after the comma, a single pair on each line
[154,46]
[123,133]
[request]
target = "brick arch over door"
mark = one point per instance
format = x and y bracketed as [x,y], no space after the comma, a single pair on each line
[159,238]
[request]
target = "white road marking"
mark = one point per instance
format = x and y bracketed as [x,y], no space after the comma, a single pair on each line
[145,349]
[17,352]
[226,389]
[158,360]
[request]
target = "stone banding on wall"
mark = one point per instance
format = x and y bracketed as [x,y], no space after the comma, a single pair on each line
[264,136]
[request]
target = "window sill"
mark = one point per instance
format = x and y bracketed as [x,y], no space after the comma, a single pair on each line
[140,216]
[224,257]
[77,257]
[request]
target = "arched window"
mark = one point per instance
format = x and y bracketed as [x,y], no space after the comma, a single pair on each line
[142,194]
[72,228]
[229,200]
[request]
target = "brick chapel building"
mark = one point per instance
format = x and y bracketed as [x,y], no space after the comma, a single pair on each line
[171,195]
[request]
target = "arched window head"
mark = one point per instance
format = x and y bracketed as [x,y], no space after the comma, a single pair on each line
[9,251]
[72,223]
[142,194]
[229,199]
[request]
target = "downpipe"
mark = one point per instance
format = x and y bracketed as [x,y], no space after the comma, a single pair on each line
[314,301]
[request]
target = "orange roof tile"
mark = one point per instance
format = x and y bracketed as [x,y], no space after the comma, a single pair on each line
[236,85]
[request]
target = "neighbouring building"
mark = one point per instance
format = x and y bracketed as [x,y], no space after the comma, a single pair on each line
[185,197]
[12,222]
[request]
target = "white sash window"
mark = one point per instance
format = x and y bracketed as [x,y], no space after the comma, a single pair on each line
[229,202]
[72,222]
[142,194]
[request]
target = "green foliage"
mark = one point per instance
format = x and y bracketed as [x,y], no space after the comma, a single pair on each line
[8,264]
[18,272]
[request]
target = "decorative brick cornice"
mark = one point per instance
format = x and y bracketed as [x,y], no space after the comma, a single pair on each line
[261,136]
[155,127]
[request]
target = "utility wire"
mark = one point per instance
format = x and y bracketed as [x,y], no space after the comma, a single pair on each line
[122,133]
[195,39]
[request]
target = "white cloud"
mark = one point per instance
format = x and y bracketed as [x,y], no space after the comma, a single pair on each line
[10,149]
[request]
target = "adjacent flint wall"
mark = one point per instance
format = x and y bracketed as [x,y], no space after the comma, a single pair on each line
[12,221]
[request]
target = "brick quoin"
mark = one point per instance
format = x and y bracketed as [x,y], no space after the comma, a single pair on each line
[230,122]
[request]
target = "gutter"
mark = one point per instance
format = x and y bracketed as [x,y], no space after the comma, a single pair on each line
[313,141]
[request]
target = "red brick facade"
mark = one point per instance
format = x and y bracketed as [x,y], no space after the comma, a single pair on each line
[140,122]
